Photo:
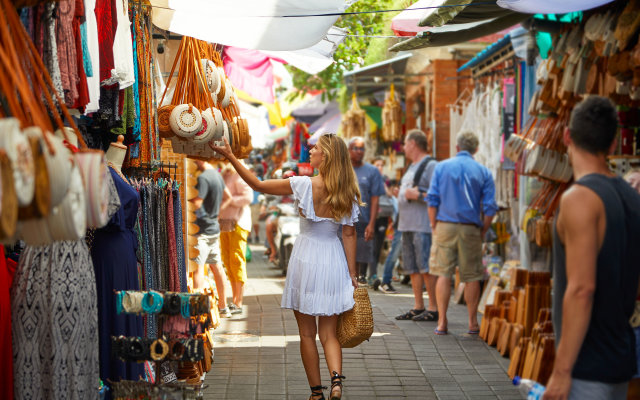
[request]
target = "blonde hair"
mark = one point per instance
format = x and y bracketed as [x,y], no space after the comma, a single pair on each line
[339,177]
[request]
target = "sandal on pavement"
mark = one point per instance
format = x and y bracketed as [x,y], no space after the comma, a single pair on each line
[317,391]
[429,316]
[440,332]
[336,386]
[409,314]
[473,332]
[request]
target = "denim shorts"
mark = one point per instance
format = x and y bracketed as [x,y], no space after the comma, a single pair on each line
[416,247]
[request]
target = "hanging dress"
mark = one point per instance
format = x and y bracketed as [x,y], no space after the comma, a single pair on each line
[55,323]
[114,259]
[318,281]
[6,356]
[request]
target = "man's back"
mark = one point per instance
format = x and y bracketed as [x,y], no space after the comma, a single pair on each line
[608,351]
[210,188]
[462,188]
[413,215]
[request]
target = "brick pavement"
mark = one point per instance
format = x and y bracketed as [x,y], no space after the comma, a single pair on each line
[257,354]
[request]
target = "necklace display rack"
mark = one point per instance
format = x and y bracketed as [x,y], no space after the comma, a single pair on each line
[152,170]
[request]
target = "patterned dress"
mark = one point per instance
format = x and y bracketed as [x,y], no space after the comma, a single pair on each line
[55,323]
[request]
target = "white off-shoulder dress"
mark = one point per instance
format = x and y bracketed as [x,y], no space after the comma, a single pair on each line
[318,281]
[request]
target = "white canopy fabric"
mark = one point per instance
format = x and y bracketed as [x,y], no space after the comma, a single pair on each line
[258,120]
[249,24]
[550,6]
[315,58]
[407,21]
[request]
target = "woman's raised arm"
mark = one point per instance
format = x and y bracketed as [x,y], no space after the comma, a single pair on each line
[279,187]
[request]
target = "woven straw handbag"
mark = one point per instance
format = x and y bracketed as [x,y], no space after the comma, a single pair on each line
[356,325]
[8,199]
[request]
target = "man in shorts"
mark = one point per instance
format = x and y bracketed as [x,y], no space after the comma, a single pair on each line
[211,194]
[413,222]
[461,207]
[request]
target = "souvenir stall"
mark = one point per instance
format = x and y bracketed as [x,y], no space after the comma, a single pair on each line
[593,52]
[89,212]
[491,108]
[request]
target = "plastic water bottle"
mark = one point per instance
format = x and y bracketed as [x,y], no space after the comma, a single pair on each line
[532,389]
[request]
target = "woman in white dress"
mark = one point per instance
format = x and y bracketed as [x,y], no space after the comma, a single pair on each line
[321,275]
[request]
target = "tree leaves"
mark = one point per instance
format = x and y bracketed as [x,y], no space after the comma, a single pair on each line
[354,51]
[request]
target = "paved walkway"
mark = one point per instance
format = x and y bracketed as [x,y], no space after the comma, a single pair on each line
[256,355]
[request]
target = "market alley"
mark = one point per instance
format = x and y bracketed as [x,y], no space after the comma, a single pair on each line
[256,355]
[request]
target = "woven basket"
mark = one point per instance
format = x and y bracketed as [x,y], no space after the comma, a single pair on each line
[356,325]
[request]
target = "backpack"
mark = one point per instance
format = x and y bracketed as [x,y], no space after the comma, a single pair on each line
[418,175]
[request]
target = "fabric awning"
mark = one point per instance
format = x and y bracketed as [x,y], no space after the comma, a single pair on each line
[376,77]
[448,35]
[406,23]
[253,24]
[551,6]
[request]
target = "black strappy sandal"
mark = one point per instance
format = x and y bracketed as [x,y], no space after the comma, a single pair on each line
[336,381]
[317,391]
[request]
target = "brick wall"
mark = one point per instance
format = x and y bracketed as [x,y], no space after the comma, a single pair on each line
[441,86]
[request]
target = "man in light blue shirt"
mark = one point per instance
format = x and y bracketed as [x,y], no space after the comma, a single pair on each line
[461,207]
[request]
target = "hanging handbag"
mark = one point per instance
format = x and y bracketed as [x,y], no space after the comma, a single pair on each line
[356,325]
[8,199]
[41,202]
[68,221]
[58,167]
[18,149]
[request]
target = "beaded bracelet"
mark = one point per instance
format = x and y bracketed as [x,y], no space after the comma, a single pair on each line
[176,350]
[154,349]
[184,310]
[172,304]
[134,349]
[152,302]
[132,302]
[119,298]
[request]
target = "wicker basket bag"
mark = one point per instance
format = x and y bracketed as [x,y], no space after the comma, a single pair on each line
[356,325]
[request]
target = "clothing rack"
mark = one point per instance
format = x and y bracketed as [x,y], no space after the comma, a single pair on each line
[149,169]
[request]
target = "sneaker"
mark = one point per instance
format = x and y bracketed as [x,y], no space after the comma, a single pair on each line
[362,281]
[234,309]
[376,284]
[406,280]
[225,313]
[387,288]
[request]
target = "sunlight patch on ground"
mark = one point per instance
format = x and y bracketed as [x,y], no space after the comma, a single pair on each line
[245,339]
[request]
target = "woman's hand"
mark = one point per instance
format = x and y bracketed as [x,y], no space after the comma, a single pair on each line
[354,282]
[224,151]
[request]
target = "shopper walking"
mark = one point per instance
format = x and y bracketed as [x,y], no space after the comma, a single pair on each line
[236,226]
[385,212]
[413,222]
[321,274]
[371,188]
[256,204]
[461,207]
[207,204]
[595,265]
[394,250]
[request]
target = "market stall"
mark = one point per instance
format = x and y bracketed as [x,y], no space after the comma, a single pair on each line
[94,183]
[592,53]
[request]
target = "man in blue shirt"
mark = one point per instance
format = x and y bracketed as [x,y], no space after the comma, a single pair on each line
[461,207]
[371,188]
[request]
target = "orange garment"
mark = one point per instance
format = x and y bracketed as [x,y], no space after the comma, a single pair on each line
[233,247]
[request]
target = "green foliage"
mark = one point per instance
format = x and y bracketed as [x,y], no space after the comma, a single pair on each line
[354,51]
